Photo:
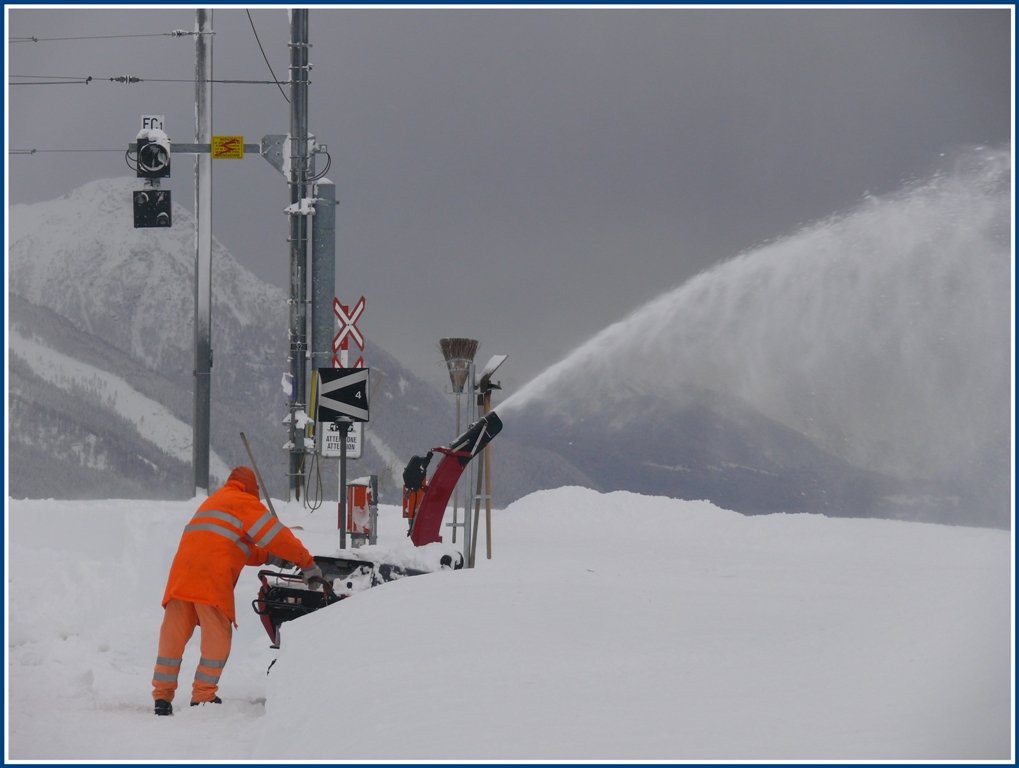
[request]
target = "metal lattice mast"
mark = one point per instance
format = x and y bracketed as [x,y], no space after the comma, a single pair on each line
[299,174]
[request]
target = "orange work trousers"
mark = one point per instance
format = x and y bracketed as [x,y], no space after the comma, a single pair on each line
[179,621]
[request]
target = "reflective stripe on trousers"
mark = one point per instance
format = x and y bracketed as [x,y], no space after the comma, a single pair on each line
[216,668]
[166,670]
[179,621]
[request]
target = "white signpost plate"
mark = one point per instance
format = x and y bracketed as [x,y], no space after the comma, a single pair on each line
[331,439]
[154,122]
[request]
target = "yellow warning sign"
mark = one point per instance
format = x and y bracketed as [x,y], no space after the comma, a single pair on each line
[227,147]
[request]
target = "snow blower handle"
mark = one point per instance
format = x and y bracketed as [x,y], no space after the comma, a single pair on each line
[258,475]
[327,588]
[312,575]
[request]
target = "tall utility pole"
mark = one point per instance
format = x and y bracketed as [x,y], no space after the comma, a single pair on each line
[203,251]
[299,213]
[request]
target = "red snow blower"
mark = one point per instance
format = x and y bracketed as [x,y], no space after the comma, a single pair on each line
[284,596]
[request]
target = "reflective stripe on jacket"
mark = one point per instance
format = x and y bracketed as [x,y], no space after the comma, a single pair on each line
[231,529]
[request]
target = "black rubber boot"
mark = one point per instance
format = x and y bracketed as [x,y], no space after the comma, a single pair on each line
[163,707]
[216,700]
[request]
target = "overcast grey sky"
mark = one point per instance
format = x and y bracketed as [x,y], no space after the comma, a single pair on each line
[525,176]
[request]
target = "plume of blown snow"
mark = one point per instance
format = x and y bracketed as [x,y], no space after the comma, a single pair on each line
[882,334]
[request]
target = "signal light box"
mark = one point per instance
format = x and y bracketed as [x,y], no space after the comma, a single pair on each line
[153,158]
[152,208]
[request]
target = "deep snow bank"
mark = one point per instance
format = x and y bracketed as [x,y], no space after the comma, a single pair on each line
[609,626]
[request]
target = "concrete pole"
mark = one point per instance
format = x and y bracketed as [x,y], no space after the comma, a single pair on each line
[299,167]
[201,434]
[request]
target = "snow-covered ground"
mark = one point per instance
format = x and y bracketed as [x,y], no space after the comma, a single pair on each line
[605,627]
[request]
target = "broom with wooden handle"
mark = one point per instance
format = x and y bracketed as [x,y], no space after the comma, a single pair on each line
[258,475]
[458,352]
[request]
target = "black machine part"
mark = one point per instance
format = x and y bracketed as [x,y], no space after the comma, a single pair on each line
[284,596]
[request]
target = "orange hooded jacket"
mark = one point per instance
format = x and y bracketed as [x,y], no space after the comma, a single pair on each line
[231,529]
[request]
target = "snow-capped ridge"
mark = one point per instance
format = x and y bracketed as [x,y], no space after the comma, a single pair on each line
[91,290]
[81,256]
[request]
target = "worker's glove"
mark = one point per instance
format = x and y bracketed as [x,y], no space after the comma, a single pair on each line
[279,562]
[312,574]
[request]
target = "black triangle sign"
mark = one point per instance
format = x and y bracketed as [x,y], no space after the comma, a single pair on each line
[342,394]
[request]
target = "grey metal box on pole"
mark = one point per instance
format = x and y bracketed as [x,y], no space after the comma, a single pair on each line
[323,273]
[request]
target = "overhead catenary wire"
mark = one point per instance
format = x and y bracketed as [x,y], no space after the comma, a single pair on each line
[79,80]
[257,40]
[194,80]
[34,151]
[128,79]
[174,33]
[53,79]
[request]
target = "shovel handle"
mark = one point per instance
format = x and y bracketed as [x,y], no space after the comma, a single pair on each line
[258,475]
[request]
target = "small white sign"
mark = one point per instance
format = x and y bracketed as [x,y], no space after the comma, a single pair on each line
[331,439]
[154,122]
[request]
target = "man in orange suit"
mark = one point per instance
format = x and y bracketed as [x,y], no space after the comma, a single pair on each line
[231,529]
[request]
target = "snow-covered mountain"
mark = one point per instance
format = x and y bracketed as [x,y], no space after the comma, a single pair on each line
[101,361]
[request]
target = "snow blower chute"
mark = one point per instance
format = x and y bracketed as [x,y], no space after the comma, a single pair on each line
[284,596]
